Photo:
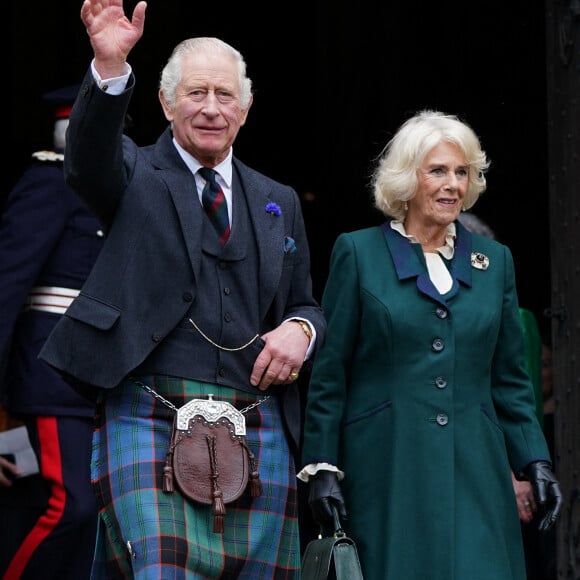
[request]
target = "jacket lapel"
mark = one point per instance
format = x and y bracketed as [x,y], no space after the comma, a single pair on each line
[181,185]
[461,263]
[269,231]
[409,262]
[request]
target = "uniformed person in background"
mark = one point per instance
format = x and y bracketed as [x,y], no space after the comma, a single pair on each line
[48,244]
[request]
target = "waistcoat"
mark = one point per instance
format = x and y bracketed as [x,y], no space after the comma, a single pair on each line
[225,344]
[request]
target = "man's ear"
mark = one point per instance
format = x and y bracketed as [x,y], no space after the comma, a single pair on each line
[246,111]
[167,110]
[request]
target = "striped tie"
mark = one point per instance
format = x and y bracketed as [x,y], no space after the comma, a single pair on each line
[215,204]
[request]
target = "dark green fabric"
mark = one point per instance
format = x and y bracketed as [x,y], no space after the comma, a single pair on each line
[424,402]
[533,352]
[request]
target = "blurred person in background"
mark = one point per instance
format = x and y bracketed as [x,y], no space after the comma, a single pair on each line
[48,245]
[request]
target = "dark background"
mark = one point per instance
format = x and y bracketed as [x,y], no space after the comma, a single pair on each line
[332,82]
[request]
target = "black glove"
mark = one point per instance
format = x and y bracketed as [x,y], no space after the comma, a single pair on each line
[324,493]
[547,492]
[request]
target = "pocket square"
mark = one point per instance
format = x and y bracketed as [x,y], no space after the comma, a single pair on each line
[289,245]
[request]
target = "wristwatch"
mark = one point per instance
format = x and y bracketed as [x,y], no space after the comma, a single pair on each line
[305,328]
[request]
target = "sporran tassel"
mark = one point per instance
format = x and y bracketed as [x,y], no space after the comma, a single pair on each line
[255,483]
[168,474]
[219,511]
[218,524]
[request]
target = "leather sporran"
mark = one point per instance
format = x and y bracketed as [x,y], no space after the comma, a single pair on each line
[208,458]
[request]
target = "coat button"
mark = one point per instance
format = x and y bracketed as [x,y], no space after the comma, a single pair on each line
[227,291]
[441,312]
[228,317]
[222,372]
[440,383]
[187,296]
[156,338]
[437,345]
[442,419]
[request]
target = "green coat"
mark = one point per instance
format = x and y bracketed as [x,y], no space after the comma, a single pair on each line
[423,400]
[533,358]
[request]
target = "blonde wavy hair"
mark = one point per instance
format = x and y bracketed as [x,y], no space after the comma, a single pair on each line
[394,181]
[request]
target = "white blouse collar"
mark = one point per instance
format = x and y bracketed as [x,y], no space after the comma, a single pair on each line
[446,251]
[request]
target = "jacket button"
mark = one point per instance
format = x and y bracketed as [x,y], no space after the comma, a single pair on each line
[222,372]
[437,345]
[442,419]
[441,312]
[440,383]
[228,317]
[157,338]
[187,296]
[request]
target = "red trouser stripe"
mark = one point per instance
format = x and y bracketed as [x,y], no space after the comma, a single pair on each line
[51,471]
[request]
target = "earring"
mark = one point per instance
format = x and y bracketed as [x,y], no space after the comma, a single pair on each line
[405,206]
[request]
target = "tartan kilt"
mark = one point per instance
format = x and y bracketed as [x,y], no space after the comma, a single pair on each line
[146,533]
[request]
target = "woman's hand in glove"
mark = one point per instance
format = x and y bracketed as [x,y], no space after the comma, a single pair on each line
[547,492]
[324,492]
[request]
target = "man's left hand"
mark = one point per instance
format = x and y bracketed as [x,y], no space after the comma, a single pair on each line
[282,357]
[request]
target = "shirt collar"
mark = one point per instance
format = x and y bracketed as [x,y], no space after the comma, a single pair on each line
[446,251]
[224,169]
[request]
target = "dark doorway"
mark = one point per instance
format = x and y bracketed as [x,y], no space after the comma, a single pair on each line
[332,82]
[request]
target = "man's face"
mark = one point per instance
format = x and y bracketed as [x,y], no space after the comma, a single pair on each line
[207,114]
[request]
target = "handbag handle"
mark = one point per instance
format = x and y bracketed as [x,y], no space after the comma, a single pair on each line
[338,531]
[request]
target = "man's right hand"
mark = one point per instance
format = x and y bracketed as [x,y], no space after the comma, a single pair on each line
[111,33]
[324,492]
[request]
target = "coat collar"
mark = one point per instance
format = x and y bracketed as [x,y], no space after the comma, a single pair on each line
[409,262]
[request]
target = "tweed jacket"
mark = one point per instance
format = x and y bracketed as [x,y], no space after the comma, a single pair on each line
[145,278]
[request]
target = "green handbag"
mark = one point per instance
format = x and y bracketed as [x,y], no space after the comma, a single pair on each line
[331,558]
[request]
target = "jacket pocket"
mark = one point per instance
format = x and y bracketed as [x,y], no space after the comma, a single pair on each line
[93,312]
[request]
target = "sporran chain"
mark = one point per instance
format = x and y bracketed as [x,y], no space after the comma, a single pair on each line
[175,409]
[227,349]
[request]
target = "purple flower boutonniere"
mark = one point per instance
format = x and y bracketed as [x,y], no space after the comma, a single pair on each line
[273,208]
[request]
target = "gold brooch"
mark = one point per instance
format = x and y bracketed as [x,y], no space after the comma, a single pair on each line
[479,261]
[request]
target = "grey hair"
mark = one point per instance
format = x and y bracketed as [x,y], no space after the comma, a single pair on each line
[171,73]
[394,180]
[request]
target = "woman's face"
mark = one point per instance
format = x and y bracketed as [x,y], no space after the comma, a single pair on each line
[443,178]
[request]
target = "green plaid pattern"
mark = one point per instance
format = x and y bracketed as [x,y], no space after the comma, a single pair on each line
[145,533]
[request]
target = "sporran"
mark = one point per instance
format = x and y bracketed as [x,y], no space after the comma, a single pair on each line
[208,460]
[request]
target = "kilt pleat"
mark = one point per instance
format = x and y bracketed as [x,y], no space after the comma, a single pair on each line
[146,533]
